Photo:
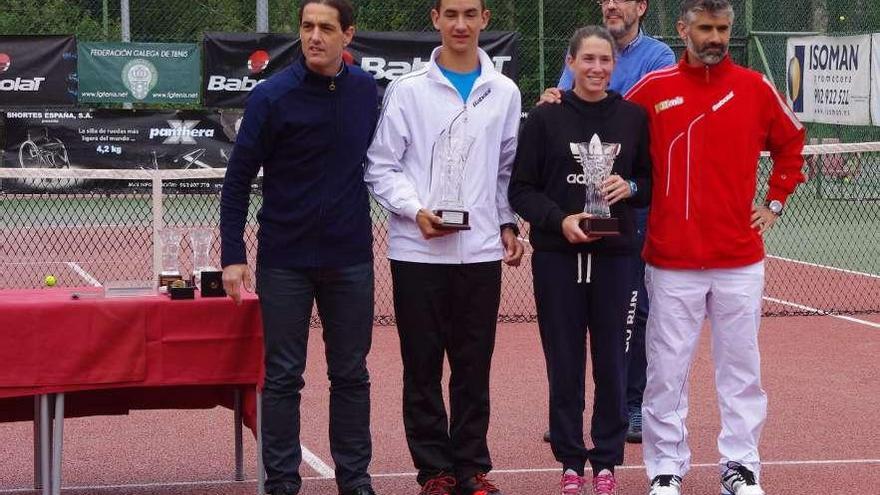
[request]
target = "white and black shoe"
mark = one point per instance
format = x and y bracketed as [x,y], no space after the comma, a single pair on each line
[665,484]
[739,480]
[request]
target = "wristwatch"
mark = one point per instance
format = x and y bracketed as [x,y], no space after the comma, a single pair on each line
[633,188]
[774,206]
[512,226]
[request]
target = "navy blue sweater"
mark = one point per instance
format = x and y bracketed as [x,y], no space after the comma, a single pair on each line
[310,133]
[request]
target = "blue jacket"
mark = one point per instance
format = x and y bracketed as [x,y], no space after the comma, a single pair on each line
[642,55]
[310,134]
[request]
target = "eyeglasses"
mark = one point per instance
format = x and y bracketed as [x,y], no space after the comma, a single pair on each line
[605,3]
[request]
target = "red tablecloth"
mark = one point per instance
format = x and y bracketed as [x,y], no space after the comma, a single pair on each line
[114,354]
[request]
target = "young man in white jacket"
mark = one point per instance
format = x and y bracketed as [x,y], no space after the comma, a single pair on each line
[456,111]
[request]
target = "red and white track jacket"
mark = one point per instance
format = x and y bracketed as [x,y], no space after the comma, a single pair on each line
[708,127]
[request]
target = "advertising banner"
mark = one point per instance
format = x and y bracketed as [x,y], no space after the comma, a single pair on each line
[875,79]
[139,73]
[236,62]
[119,139]
[37,70]
[389,55]
[828,79]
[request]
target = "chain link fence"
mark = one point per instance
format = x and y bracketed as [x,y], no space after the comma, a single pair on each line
[831,198]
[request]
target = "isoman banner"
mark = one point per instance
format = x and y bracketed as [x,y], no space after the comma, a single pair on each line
[828,79]
[139,72]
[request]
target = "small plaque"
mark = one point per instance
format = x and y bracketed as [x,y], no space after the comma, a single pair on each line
[453,219]
[601,227]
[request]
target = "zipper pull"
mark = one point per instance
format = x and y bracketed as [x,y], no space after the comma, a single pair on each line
[707,74]
[332,86]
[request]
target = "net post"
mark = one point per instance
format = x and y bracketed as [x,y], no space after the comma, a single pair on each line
[158,225]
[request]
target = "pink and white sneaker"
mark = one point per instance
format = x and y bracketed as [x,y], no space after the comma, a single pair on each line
[571,483]
[604,483]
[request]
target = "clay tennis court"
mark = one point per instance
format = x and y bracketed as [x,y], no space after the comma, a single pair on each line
[820,372]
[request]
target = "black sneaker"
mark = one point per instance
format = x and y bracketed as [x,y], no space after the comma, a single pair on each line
[285,488]
[739,480]
[634,432]
[442,484]
[478,485]
[361,490]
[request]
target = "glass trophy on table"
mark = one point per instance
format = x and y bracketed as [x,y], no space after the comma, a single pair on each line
[451,152]
[597,159]
[201,241]
[170,272]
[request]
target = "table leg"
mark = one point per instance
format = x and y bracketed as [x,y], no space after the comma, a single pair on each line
[239,457]
[38,479]
[44,444]
[261,474]
[57,443]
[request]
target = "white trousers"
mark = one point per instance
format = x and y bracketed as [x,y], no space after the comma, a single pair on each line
[680,302]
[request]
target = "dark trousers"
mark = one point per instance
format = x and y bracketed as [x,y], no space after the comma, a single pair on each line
[574,293]
[345,306]
[446,310]
[636,361]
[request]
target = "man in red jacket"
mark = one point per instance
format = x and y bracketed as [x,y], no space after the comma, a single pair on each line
[709,120]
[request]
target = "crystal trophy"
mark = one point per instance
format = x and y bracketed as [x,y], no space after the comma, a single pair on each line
[597,159]
[451,151]
[170,239]
[201,241]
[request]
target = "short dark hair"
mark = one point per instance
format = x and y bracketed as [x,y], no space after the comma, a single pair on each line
[589,32]
[439,3]
[712,7]
[343,8]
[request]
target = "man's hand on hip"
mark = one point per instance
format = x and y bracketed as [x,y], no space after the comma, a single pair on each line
[762,218]
[234,277]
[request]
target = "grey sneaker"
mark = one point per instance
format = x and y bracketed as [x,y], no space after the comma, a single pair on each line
[739,480]
[634,432]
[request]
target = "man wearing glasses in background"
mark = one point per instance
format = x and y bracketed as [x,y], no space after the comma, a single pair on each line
[637,54]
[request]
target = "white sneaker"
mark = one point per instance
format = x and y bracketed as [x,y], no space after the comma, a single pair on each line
[739,480]
[666,484]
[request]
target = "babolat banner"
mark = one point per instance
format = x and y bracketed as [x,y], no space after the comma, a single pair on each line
[829,79]
[236,62]
[389,55]
[37,70]
[139,73]
[119,139]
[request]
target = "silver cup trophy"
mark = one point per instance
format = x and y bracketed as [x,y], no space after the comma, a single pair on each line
[597,159]
[451,152]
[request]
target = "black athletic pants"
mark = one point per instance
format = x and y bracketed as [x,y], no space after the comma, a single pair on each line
[574,292]
[446,310]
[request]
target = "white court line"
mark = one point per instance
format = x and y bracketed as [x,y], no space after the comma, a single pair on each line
[830,462]
[82,273]
[317,464]
[826,267]
[823,312]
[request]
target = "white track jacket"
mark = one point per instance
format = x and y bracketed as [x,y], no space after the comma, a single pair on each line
[418,108]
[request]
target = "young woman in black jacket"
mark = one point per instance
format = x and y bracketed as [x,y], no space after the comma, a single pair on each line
[583,281]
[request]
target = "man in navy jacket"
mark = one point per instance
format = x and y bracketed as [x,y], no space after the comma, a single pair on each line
[309,127]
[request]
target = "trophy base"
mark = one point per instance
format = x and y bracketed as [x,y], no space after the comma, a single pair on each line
[600,227]
[166,279]
[212,284]
[453,219]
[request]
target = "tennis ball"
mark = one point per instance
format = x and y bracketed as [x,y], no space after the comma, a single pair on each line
[50,280]
[843,18]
